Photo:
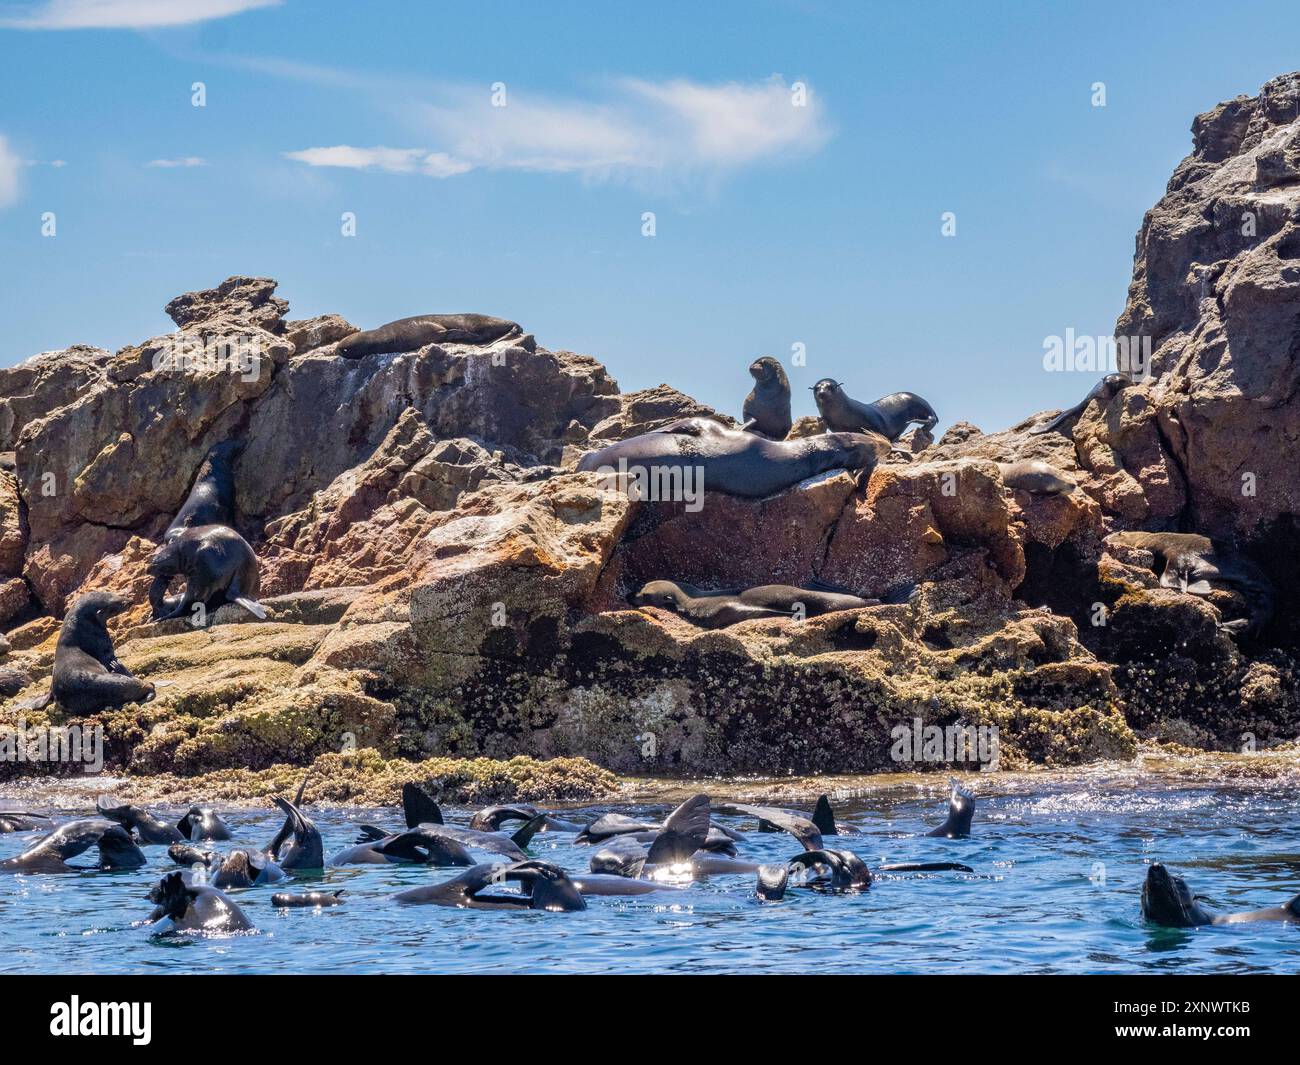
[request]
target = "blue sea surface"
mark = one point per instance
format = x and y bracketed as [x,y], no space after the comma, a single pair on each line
[1059,870]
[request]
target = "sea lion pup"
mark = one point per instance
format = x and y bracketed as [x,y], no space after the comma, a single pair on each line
[218,565]
[183,907]
[20,821]
[889,415]
[491,818]
[730,460]
[284,900]
[50,854]
[244,868]
[87,674]
[961,811]
[767,407]
[202,822]
[306,850]
[1104,391]
[1167,900]
[408,334]
[717,610]
[212,497]
[149,828]
[1191,563]
[542,887]
[1035,477]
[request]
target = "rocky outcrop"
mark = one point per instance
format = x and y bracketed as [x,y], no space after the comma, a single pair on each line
[43,383]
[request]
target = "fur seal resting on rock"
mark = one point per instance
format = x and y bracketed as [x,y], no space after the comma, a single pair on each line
[408,334]
[87,675]
[716,610]
[889,415]
[1035,477]
[1191,564]
[212,498]
[543,887]
[218,565]
[50,854]
[1167,900]
[194,907]
[731,460]
[767,407]
[1104,390]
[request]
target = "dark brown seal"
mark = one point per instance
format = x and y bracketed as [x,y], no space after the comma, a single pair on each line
[87,675]
[218,565]
[408,334]
[767,407]
[889,415]
[1104,391]
[716,610]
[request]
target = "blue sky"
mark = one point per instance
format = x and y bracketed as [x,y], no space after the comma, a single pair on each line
[774,225]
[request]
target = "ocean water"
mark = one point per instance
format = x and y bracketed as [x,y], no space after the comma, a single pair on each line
[1059,867]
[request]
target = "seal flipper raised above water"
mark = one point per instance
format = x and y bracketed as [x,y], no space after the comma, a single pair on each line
[961,811]
[150,829]
[306,850]
[803,830]
[545,887]
[409,334]
[767,407]
[1103,391]
[218,565]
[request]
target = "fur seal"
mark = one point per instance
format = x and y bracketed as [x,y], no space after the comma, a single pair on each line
[961,811]
[184,854]
[889,415]
[1191,563]
[1104,390]
[20,821]
[1167,900]
[50,854]
[202,822]
[767,407]
[87,676]
[1035,477]
[149,828]
[218,565]
[543,887]
[717,610]
[733,461]
[194,907]
[306,849]
[491,818]
[244,868]
[773,819]
[212,498]
[416,845]
[408,334]
[309,898]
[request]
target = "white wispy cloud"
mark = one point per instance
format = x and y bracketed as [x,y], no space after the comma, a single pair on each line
[10,165]
[121,14]
[168,164]
[640,130]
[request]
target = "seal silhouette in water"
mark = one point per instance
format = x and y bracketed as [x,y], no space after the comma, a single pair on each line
[212,498]
[542,887]
[1103,391]
[218,565]
[733,461]
[1167,900]
[889,415]
[767,407]
[194,908]
[408,334]
[50,854]
[1035,477]
[87,675]
[716,610]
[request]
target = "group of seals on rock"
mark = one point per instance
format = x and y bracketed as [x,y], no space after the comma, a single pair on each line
[410,334]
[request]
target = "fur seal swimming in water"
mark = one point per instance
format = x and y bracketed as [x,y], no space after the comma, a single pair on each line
[491,818]
[184,854]
[20,821]
[733,461]
[408,334]
[194,907]
[244,868]
[543,887]
[306,850]
[50,854]
[889,415]
[1035,477]
[1191,563]
[1167,900]
[218,565]
[961,811]
[202,822]
[717,610]
[1104,391]
[149,828]
[767,407]
[212,498]
[87,675]
[309,898]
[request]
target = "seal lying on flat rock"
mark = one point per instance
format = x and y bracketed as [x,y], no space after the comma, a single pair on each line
[1167,900]
[1191,563]
[716,610]
[212,498]
[1035,477]
[50,854]
[542,887]
[889,415]
[767,407]
[218,565]
[408,334]
[87,675]
[733,461]
[1103,391]
[183,907]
